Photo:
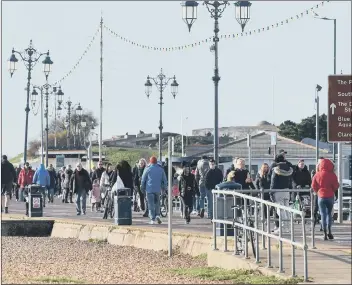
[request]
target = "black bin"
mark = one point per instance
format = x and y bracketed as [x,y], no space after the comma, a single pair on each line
[122,207]
[230,202]
[35,201]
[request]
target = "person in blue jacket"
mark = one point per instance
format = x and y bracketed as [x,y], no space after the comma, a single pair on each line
[41,177]
[153,180]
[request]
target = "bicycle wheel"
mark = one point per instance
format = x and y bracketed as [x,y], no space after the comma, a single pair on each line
[252,239]
[111,209]
[106,207]
[163,206]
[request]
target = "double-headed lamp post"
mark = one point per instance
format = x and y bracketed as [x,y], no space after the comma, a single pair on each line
[216,8]
[67,123]
[30,57]
[161,81]
[59,94]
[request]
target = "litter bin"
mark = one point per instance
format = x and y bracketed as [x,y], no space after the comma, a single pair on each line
[220,200]
[122,207]
[35,201]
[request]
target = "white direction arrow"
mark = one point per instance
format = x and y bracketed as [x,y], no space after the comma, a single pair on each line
[332,107]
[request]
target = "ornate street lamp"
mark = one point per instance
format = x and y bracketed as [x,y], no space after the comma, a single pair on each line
[30,57]
[216,8]
[161,81]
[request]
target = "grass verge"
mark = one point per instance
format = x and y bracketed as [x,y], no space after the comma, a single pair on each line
[236,276]
[58,280]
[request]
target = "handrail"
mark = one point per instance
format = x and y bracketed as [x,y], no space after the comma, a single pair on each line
[242,194]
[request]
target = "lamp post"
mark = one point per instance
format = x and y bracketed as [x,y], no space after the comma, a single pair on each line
[317,90]
[78,121]
[316,16]
[216,8]
[161,81]
[30,57]
[182,143]
[57,92]
[79,110]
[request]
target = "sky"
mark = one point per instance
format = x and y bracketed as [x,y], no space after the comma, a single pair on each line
[268,76]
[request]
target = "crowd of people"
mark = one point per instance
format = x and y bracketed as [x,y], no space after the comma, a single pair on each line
[195,181]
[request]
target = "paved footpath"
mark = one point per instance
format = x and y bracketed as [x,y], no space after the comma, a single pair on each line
[329,262]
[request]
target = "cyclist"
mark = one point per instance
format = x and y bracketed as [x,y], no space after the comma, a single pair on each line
[106,179]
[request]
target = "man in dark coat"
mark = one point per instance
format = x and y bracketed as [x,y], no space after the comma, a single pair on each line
[301,177]
[80,184]
[281,179]
[98,172]
[8,177]
[213,177]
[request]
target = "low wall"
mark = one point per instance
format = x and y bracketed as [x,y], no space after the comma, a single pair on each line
[141,238]
[29,228]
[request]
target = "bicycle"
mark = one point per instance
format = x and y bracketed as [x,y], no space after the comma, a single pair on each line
[108,203]
[164,206]
[240,231]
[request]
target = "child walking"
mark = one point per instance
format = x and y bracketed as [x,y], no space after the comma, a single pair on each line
[95,196]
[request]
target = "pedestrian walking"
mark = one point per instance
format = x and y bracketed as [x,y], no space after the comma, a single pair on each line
[41,177]
[201,171]
[301,177]
[66,178]
[231,168]
[80,185]
[196,208]
[281,179]
[325,184]
[25,178]
[153,181]
[241,175]
[187,186]
[137,180]
[98,171]
[213,177]
[95,198]
[53,182]
[8,177]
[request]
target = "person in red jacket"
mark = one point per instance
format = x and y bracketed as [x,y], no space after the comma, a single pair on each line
[325,183]
[25,178]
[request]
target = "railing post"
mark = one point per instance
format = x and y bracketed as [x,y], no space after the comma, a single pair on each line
[305,250]
[215,214]
[256,234]
[312,206]
[262,217]
[281,262]
[245,237]
[269,239]
[235,230]
[293,253]
[225,225]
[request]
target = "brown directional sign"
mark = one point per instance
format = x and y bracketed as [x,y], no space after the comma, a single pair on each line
[340,108]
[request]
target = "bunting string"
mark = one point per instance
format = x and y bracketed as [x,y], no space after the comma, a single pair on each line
[79,60]
[225,36]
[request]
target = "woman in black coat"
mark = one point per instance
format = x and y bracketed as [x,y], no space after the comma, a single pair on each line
[262,183]
[123,169]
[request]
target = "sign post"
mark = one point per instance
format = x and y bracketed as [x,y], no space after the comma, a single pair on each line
[340,121]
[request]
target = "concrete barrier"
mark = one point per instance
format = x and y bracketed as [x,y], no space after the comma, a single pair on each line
[29,228]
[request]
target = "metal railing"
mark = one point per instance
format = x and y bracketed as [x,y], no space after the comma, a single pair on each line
[265,233]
